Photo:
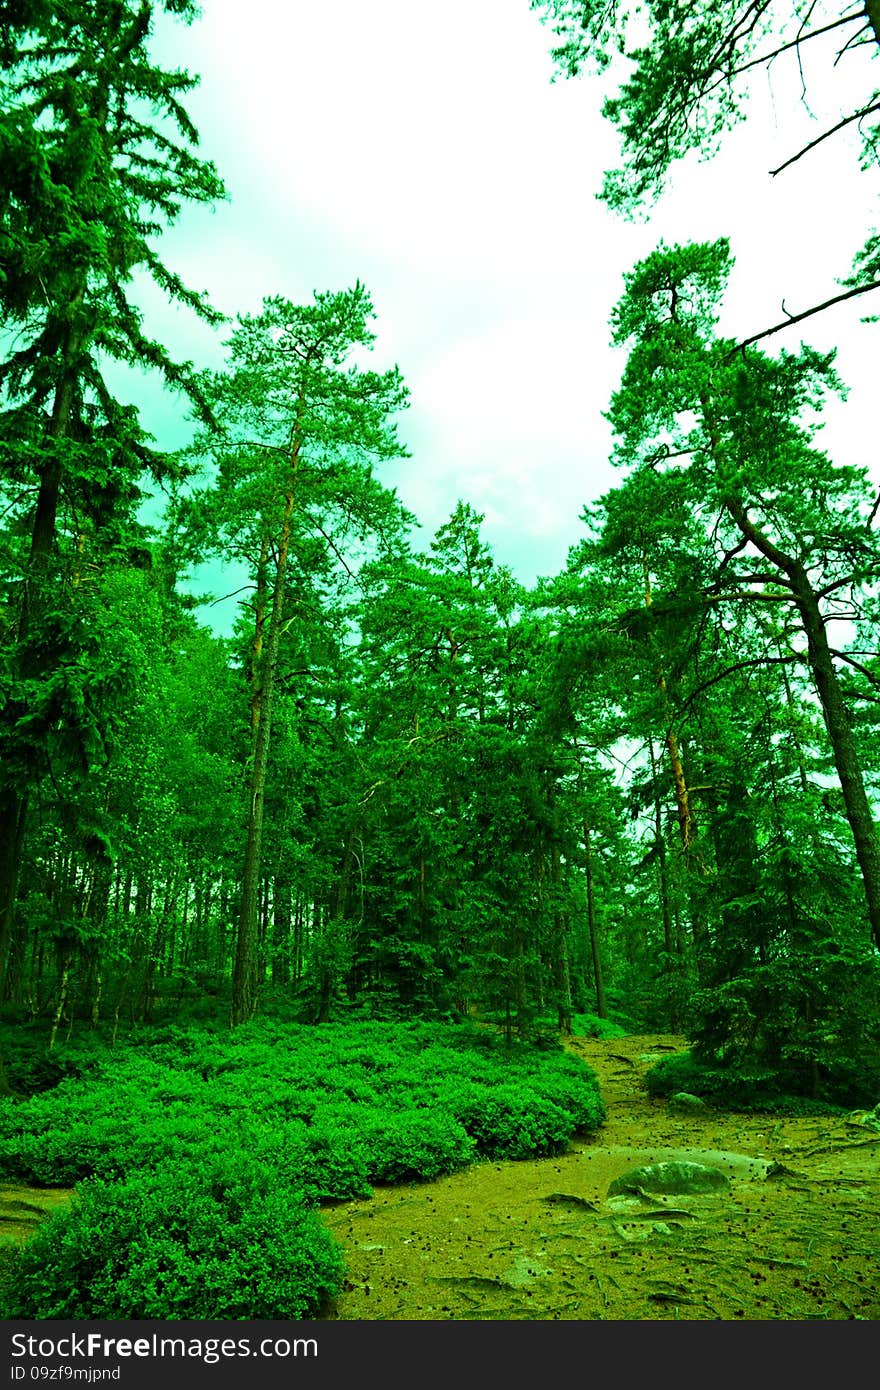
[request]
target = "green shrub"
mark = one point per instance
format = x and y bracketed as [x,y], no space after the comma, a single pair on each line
[31,1069]
[415,1146]
[321,1161]
[327,1108]
[738,1088]
[578,1096]
[217,1242]
[591,1026]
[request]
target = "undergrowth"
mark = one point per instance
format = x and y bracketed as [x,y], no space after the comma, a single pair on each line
[304,1114]
[741,1088]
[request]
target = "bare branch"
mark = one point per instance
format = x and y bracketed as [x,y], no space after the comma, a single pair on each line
[826,135]
[759,578]
[333,546]
[730,554]
[850,579]
[808,313]
[765,58]
[224,597]
[738,666]
[853,41]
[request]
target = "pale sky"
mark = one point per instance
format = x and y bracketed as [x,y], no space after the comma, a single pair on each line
[424,150]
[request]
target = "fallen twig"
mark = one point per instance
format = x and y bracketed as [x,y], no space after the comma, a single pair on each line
[838,1148]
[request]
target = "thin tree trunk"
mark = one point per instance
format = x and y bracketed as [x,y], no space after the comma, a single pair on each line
[562,964]
[669,942]
[62,1000]
[259,633]
[598,975]
[244,979]
[683,802]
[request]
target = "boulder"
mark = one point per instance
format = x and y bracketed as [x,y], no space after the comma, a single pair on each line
[683,1103]
[673,1177]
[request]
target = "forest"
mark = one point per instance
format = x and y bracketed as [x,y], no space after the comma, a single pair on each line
[377,854]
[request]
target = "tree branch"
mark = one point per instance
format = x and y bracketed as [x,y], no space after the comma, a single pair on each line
[738,666]
[826,135]
[844,656]
[808,313]
[766,58]
[854,41]
[224,597]
[856,578]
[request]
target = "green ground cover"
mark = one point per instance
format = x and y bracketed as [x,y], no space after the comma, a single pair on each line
[201,1157]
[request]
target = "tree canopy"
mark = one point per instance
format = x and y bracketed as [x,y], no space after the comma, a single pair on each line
[640,792]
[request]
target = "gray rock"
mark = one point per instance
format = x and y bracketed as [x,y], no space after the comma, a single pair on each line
[674,1177]
[683,1103]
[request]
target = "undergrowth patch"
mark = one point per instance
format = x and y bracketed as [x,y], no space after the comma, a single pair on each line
[304,1114]
[745,1088]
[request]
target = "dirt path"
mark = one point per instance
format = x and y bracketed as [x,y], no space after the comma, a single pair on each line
[796,1235]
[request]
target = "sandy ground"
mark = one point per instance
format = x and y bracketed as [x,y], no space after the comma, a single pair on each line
[795,1236]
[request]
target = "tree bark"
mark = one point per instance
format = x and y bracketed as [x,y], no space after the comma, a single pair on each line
[834,711]
[244,979]
[14,801]
[598,976]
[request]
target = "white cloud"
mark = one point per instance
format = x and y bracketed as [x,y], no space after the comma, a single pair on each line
[424,150]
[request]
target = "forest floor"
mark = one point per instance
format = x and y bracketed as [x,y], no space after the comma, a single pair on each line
[795,1235]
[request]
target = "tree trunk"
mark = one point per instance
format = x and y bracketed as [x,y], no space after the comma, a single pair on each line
[244,979]
[14,803]
[598,976]
[62,1000]
[282,919]
[561,963]
[834,711]
[259,633]
[843,747]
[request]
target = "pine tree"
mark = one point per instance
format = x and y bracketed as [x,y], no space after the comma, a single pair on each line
[98,156]
[300,428]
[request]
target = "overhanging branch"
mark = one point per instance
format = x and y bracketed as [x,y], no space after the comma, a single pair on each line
[807,313]
[738,666]
[826,135]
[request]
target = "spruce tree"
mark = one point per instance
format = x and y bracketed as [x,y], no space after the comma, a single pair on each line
[97,157]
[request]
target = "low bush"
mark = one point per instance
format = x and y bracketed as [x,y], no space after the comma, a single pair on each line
[591,1026]
[512,1121]
[737,1088]
[168,1224]
[324,1106]
[219,1241]
[414,1146]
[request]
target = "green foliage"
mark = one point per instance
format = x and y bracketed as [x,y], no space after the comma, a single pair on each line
[199,1160]
[810,1016]
[684,72]
[216,1239]
[30,1068]
[328,1109]
[590,1026]
[507,1123]
[414,1146]
[742,1087]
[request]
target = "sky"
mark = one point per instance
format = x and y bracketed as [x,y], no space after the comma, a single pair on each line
[426,150]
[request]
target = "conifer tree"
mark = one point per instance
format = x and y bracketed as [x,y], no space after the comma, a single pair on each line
[300,428]
[97,156]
